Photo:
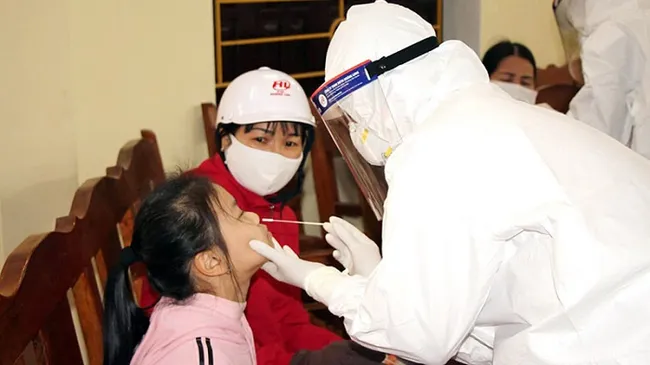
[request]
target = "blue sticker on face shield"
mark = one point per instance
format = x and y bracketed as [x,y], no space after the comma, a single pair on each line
[341,86]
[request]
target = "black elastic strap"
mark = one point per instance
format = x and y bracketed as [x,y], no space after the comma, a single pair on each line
[401,57]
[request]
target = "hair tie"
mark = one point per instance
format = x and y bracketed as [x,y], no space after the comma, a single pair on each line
[128,257]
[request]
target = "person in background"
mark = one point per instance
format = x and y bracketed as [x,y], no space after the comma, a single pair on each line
[512,67]
[607,44]
[265,130]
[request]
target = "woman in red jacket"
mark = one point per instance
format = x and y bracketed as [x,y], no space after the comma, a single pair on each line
[265,131]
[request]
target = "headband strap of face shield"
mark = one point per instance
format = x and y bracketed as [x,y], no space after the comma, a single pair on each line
[361,75]
[385,64]
[350,120]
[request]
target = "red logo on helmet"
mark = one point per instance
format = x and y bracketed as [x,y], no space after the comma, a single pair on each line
[281,87]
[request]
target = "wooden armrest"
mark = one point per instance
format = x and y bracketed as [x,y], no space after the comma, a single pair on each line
[323,256]
[557,96]
[316,249]
[347,209]
[310,243]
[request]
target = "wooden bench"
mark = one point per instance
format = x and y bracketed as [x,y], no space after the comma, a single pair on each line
[36,323]
[555,87]
[50,273]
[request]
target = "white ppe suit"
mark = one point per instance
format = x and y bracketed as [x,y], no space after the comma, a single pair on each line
[511,235]
[615,55]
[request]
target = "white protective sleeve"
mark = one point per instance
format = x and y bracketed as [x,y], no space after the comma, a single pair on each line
[612,65]
[439,256]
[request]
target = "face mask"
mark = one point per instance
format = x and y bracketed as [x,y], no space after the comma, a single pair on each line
[518,92]
[372,148]
[364,115]
[261,172]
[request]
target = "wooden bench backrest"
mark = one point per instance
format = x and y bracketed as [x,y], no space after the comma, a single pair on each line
[209,112]
[556,87]
[35,314]
[553,75]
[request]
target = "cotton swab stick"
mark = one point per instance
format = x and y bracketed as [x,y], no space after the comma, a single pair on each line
[271,220]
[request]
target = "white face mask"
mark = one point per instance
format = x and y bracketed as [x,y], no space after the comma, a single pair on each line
[372,148]
[373,130]
[261,172]
[518,92]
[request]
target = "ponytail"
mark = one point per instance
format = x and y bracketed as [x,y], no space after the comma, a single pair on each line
[124,323]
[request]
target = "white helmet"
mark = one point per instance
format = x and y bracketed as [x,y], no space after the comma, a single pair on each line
[264,95]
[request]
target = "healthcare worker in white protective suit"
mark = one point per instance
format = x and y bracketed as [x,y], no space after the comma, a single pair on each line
[607,45]
[511,235]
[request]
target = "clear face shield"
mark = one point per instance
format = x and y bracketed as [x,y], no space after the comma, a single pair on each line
[354,110]
[570,36]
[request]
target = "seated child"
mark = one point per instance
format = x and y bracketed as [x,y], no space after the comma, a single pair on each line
[193,239]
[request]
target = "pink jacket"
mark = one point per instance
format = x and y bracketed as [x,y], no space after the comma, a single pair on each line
[204,330]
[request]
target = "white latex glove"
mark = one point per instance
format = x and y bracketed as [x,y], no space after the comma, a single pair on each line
[284,265]
[353,249]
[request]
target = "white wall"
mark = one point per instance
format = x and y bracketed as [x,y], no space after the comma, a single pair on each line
[530,22]
[480,24]
[37,151]
[461,20]
[78,79]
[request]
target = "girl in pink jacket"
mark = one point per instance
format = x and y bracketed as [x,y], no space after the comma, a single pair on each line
[193,240]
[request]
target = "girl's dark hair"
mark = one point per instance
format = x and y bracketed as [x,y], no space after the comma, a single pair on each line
[175,222]
[504,49]
[303,130]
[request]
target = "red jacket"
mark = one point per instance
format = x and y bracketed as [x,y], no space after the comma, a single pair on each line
[280,323]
